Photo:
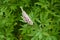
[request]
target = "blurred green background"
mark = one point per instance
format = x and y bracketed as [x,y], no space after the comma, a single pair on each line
[44,13]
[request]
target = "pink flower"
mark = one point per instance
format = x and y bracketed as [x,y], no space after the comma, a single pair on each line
[26,17]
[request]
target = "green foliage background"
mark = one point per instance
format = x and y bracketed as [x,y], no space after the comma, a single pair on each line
[44,13]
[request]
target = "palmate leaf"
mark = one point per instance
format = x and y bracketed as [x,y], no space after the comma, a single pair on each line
[38,35]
